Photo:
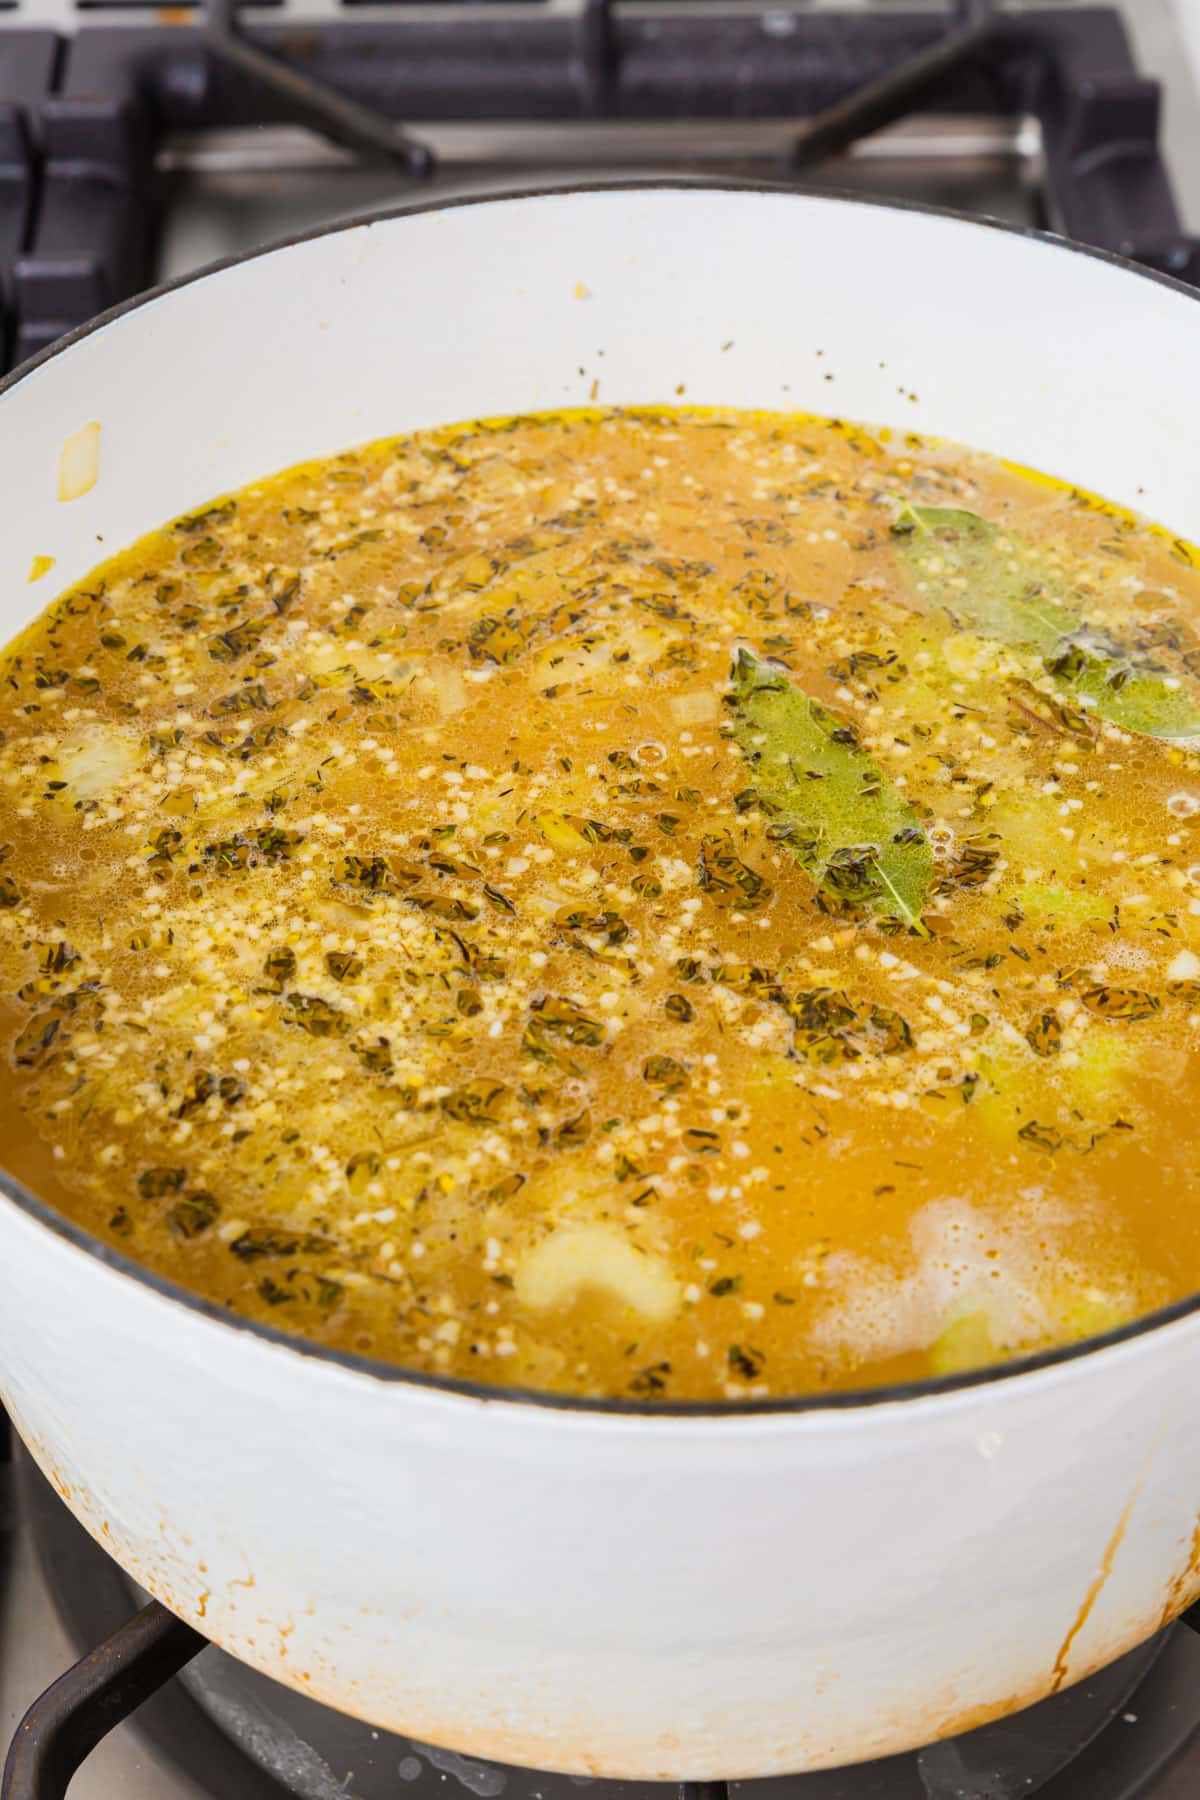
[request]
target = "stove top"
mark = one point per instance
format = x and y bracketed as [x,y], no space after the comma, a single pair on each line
[139,141]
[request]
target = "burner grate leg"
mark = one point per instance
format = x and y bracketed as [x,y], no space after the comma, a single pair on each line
[70,1718]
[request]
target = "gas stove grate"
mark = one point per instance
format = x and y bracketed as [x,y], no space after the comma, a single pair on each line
[85,116]
[101,1691]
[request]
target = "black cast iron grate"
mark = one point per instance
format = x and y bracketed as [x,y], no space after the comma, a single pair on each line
[83,116]
[101,1691]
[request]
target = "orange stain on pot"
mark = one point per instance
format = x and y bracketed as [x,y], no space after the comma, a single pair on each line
[1095,1589]
[955,1724]
[1181,1589]
[972,1717]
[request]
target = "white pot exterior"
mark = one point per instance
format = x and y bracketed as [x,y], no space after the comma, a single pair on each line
[601,1591]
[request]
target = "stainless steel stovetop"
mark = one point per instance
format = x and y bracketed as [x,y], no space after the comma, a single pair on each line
[233,189]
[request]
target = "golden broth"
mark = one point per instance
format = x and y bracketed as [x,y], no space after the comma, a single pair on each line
[402,941]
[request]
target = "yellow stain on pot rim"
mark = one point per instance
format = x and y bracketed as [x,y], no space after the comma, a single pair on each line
[79,462]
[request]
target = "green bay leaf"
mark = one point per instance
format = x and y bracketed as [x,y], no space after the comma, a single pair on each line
[1108,679]
[829,803]
[997,591]
[995,583]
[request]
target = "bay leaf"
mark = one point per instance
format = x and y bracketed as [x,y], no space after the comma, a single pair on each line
[830,804]
[1000,593]
[995,583]
[1117,684]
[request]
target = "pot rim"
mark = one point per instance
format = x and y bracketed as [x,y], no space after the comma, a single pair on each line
[395,1373]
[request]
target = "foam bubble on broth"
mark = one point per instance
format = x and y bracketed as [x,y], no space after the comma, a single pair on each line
[1015,1278]
[664,905]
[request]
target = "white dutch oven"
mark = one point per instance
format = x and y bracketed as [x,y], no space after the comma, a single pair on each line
[607,1589]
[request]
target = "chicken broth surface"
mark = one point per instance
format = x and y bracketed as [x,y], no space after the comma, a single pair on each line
[670,905]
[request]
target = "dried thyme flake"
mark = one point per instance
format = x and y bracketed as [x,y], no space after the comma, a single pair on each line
[478,1102]
[193,1215]
[262,1241]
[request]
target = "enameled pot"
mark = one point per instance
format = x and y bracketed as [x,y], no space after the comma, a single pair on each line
[606,1588]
